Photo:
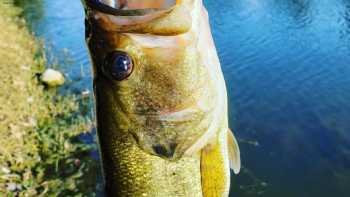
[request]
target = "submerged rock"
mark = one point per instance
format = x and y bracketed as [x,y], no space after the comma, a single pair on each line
[52,78]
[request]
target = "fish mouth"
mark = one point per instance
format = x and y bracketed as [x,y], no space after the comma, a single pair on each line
[140,16]
[105,8]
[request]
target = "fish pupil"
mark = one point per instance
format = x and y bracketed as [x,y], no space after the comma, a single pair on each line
[119,65]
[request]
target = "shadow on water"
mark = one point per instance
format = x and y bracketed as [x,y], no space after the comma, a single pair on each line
[296,12]
[286,63]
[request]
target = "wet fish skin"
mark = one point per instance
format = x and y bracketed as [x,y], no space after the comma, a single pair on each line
[162,131]
[130,170]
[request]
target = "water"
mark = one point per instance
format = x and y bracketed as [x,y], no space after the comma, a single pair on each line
[287,67]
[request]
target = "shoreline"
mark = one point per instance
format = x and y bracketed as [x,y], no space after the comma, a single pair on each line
[40,150]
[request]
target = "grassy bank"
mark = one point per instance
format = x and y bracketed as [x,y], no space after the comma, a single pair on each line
[40,153]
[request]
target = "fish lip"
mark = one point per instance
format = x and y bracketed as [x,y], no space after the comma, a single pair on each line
[98,6]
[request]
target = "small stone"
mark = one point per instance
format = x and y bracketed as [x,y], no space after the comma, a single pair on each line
[85,93]
[52,78]
[5,170]
[30,99]
[11,187]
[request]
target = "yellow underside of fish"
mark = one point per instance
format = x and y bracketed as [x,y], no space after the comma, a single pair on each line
[214,169]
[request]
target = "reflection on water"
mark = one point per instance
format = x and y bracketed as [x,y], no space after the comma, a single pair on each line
[287,67]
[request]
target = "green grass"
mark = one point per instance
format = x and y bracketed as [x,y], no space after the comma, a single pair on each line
[40,153]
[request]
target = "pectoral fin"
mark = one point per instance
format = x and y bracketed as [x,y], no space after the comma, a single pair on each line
[233,152]
[215,169]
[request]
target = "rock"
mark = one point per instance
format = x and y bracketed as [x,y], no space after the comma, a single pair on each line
[5,170]
[11,187]
[85,93]
[52,78]
[30,99]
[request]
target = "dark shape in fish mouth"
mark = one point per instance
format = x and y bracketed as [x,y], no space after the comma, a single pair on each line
[101,7]
[163,151]
[166,151]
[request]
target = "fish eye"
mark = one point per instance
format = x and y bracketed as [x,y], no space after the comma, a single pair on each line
[118,65]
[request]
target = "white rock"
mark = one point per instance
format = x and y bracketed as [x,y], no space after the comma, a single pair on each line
[30,99]
[5,170]
[85,93]
[52,78]
[11,187]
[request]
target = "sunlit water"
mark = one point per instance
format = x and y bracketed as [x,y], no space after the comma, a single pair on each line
[287,68]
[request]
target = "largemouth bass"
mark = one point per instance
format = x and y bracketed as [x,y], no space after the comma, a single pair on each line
[161,99]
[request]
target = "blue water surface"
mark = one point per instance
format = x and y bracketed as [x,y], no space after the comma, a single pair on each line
[287,68]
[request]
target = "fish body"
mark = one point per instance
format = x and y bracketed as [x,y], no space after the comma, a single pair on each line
[161,100]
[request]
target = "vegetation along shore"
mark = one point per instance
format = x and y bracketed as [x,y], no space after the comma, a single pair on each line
[41,153]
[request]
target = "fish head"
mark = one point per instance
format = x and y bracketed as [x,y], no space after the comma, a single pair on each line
[151,77]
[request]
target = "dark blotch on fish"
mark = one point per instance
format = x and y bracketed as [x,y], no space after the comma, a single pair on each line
[162,150]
